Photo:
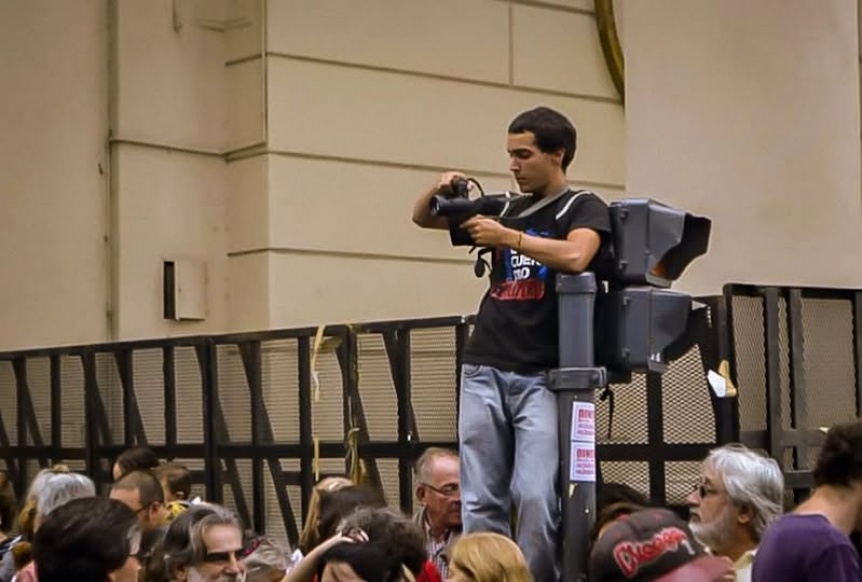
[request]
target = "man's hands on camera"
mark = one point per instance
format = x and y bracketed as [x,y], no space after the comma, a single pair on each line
[446,180]
[487,232]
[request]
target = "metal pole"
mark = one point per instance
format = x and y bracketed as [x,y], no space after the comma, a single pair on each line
[575,382]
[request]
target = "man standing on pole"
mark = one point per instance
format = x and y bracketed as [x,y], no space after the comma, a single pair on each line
[508,425]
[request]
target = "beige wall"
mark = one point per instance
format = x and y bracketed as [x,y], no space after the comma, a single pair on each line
[53,188]
[751,119]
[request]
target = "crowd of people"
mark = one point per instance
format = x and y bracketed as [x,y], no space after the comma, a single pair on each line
[150,528]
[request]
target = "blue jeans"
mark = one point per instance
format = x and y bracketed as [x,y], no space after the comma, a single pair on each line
[508,437]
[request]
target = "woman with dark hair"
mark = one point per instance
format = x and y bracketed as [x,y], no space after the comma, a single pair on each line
[136,459]
[336,505]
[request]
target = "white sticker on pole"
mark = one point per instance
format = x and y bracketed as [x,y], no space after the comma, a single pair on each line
[583,422]
[583,467]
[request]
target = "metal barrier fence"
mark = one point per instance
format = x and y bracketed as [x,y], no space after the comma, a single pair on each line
[796,355]
[247,413]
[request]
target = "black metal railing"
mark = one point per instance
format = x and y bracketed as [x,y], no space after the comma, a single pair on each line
[797,358]
[250,413]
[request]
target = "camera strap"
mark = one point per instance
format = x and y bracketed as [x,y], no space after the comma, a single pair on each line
[547,201]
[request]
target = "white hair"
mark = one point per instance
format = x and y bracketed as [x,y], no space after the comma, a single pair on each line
[750,479]
[61,488]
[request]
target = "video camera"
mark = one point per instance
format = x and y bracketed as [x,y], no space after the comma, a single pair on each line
[454,204]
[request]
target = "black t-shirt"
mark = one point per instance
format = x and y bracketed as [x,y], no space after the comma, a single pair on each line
[516,327]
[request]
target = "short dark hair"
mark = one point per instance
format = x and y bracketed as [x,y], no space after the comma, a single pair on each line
[370,560]
[145,482]
[552,129]
[840,459]
[85,539]
[178,477]
[137,459]
[399,534]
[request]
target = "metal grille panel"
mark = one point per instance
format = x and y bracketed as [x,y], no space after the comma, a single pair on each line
[150,392]
[294,493]
[9,401]
[389,480]
[829,365]
[377,389]
[748,327]
[433,383]
[328,411]
[784,362]
[686,402]
[281,388]
[189,394]
[72,373]
[680,479]
[230,496]
[630,414]
[39,381]
[111,393]
[233,394]
[635,474]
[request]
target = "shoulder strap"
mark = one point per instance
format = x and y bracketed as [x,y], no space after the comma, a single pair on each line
[571,201]
[530,210]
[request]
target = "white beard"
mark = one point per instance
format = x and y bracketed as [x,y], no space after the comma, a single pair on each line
[717,535]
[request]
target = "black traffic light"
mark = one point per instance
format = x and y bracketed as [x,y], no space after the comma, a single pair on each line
[640,325]
[654,243]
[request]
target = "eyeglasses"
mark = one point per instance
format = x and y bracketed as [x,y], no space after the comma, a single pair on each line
[144,508]
[703,491]
[221,557]
[450,490]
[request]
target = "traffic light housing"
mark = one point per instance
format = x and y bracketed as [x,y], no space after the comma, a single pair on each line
[641,325]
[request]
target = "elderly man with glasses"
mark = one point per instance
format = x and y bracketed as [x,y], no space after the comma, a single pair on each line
[739,494]
[437,477]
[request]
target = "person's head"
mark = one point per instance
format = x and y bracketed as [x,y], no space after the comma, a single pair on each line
[136,459]
[839,464]
[308,539]
[142,493]
[437,474]
[487,557]
[265,560]
[336,505]
[396,532]
[176,481]
[541,145]
[8,504]
[27,515]
[653,545]
[59,489]
[738,495]
[368,561]
[608,515]
[205,543]
[91,538]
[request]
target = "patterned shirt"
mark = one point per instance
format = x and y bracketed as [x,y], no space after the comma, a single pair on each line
[436,549]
